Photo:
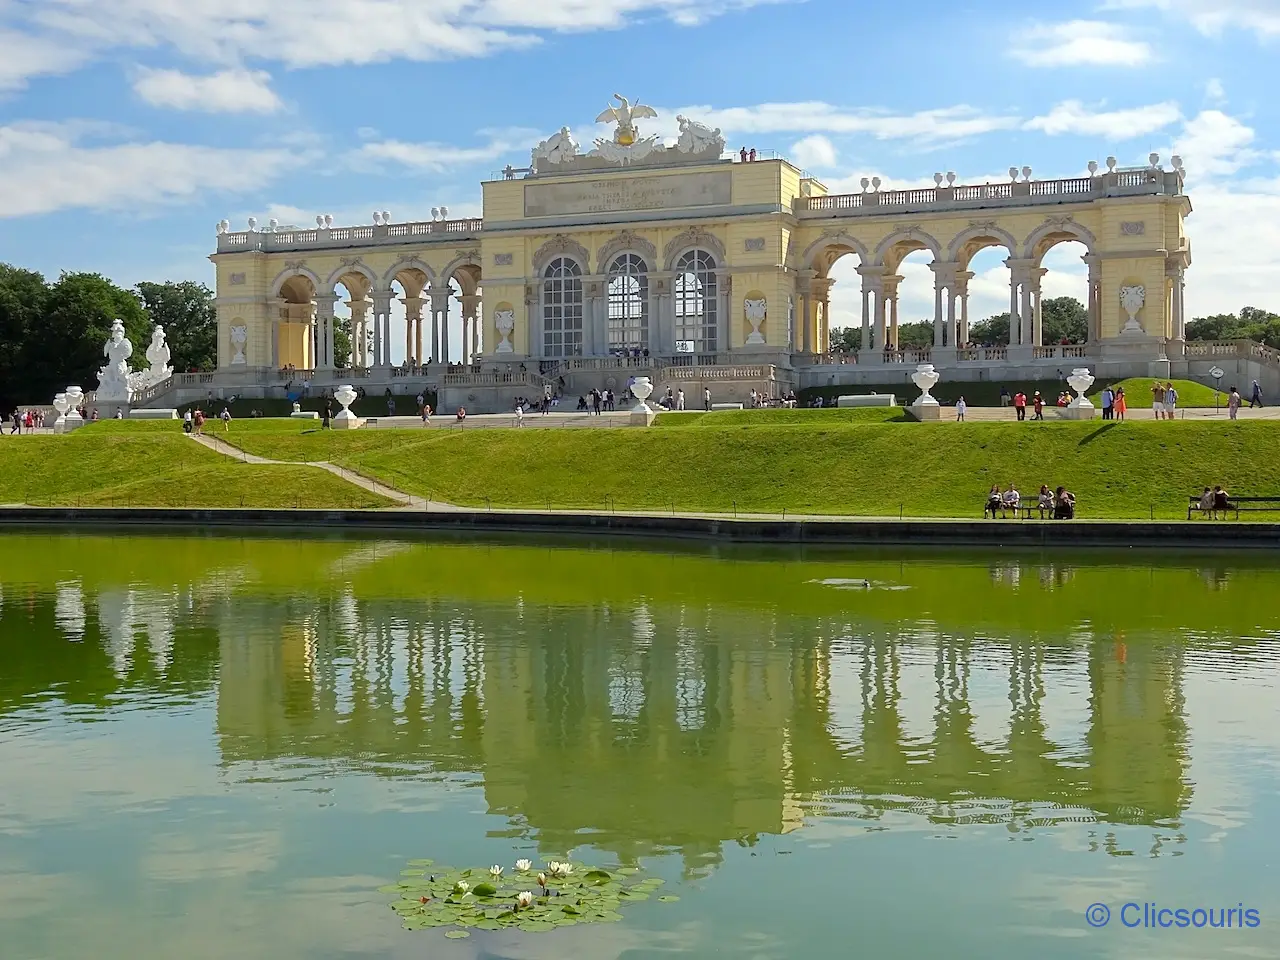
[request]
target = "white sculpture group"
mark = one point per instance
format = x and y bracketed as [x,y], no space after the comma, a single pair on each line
[504,321]
[756,311]
[116,382]
[1131,300]
[626,145]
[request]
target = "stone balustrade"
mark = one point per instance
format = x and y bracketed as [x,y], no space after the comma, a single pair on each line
[1135,182]
[322,238]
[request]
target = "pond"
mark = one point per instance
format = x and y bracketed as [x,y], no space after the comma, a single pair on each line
[225,746]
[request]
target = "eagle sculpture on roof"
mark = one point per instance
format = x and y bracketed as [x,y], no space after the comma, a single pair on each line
[625,115]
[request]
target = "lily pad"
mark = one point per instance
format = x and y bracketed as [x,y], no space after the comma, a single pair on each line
[457,934]
[668,899]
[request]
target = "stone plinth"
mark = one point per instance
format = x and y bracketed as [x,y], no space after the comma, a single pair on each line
[346,420]
[925,411]
[159,413]
[304,415]
[728,406]
[867,400]
[643,418]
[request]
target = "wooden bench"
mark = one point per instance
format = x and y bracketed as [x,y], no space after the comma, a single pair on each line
[1236,505]
[1025,510]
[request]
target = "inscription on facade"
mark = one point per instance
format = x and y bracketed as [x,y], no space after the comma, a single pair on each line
[1133,228]
[755,243]
[503,259]
[237,279]
[635,193]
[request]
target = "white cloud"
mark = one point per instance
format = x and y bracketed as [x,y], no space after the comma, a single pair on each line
[1072,116]
[431,157]
[1213,144]
[46,167]
[814,151]
[55,35]
[1258,16]
[27,56]
[1079,43]
[228,91]
[1215,92]
[812,117]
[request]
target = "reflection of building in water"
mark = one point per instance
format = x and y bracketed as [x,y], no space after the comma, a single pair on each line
[654,726]
[124,615]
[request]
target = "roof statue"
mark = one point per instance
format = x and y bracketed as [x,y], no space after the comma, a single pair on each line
[625,116]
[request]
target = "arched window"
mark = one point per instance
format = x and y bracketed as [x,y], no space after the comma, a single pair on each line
[695,295]
[562,309]
[628,303]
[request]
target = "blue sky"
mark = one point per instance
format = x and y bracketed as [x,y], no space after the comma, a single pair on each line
[128,128]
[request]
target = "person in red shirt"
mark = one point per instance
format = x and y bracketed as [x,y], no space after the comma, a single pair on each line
[1020,405]
[1039,405]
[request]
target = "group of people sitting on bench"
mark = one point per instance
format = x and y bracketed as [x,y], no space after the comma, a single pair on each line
[1214,502]
[1055,505]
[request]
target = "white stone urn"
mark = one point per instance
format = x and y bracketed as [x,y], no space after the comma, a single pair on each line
[504,321]
[1080,381]
[926,378]
[75,397]
[642,388]
[345,395]
[62,405]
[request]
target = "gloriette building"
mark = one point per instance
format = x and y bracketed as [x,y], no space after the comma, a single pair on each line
[694,267]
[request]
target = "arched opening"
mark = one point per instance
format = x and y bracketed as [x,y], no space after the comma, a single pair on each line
[409,344]
[696,302]
[909,293]
[353,326]
[464,287]
[844,310]
[562,309]
[1063,293]
[982,287]
[627,291]
[294,345]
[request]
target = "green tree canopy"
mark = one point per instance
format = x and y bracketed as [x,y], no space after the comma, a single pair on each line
[1250,324]
[23,301]
[185,310]
[1064,318]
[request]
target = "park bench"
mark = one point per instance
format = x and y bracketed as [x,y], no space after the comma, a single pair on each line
[1025,510]
[1237,504]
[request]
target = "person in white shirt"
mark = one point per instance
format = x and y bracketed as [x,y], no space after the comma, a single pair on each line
[706,398]
[961,406]
[680,399]
[1011,498]
[519,415]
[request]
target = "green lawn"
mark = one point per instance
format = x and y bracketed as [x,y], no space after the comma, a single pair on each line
[150,463]
[829,416]
[986,393]
[1117,470]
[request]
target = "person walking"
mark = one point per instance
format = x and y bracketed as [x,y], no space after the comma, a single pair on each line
[1004,397]
[1108,403]
[328,410]
[1038,404]
[226,420]
[1255,396]
[519,414]
[680,399]
[706,398]
[1020,405]
[1119,405]
[961,406]
[1233,404]
[1170,401]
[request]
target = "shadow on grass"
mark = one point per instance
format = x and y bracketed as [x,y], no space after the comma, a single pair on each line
[1097,433]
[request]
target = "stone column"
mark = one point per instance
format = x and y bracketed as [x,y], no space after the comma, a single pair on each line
[413,328]
[359,340]
[873,331]
[944,279]
[962,287]
[1177,290]
[724,313]
[1037,319]
[324,330]
[470,320]
[382,327]
[1020,301]
[439,319]
[1094,307]
[866,316]
[891,295]
[275,309]
[806,311]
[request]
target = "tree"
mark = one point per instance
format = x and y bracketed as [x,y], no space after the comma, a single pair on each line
[67,346]
[991,332]
[1064,318]
[846,339]
[915,335]
[1251,324]
[190,322]
[23,298]
[341,342]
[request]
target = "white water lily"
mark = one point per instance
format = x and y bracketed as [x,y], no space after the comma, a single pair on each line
[495,870]
[524,899]
[542,880]
[524,865]
[559,870]
[461,887]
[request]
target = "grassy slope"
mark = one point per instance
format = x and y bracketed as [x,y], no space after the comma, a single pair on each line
[986,393]
[143,464]
[1117,470]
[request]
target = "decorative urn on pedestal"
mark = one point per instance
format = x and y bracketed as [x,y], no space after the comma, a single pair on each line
[345,420]
[75,397]
[925,406]
[62,405]
[1080,408]
[642,414]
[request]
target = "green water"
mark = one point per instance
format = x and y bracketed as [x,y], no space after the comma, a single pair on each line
[221,747]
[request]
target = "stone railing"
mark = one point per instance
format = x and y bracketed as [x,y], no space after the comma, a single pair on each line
[1058,351]
[760,371]
[515,379]
[322,238]
[1246,349]
[1014,193]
